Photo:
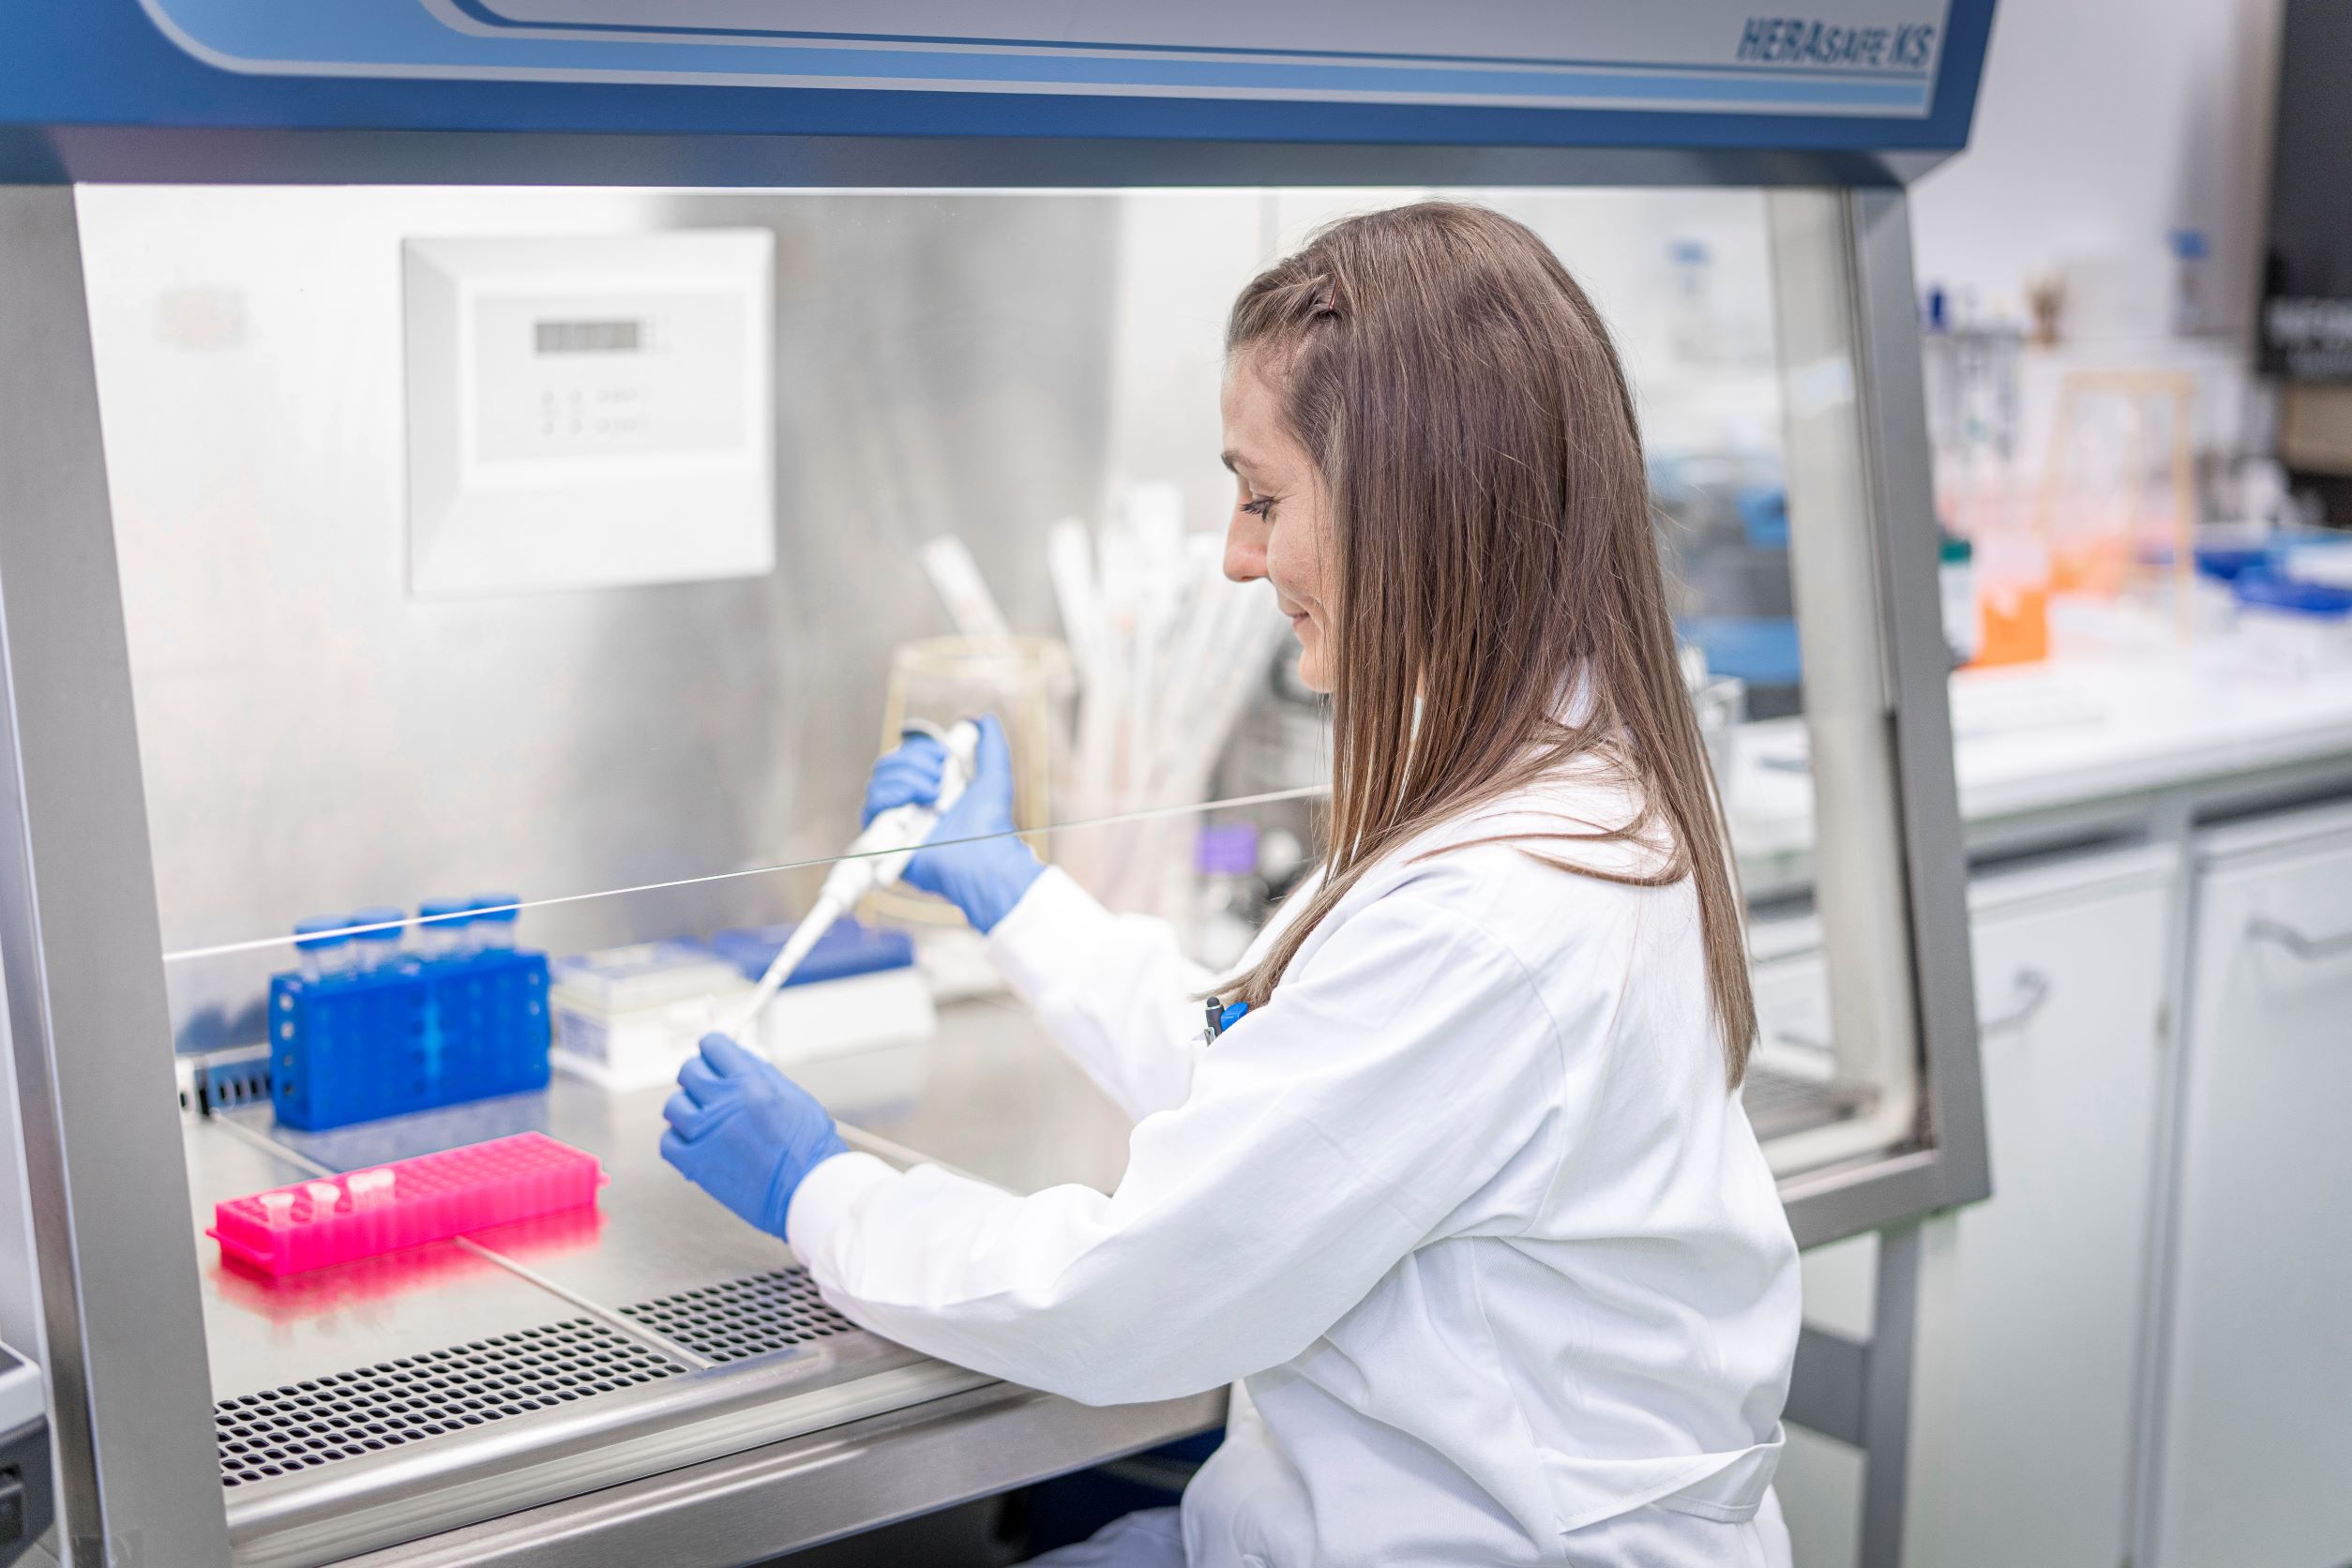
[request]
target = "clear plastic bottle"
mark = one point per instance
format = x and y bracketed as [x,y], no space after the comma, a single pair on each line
[322,948]
[444,928]
[493,923]
[379,949]
[1963,616]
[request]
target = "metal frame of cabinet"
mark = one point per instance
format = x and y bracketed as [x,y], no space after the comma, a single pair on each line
[123,1337]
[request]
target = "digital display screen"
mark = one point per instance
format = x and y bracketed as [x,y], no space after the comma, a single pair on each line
[611,337]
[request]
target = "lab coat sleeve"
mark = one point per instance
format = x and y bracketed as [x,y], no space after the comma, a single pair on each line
[1113,990]
[1327,1135]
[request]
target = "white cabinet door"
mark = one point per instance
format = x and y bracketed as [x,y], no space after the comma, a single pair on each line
[2022,1445]
[2257,1417]
[2033,1409]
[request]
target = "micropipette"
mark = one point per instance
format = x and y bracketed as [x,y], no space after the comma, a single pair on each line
[876,859]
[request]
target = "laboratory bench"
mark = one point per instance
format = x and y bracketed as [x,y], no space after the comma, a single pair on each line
[543,1392]
[576,1388]
[2071,751]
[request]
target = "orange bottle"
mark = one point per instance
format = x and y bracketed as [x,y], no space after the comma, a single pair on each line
[2013,577]
[2016,624]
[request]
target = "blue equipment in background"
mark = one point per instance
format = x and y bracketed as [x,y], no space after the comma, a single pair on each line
[365,1029]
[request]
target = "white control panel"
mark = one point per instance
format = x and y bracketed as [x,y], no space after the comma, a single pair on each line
[589,412]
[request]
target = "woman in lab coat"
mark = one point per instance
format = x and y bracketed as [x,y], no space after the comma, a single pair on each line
[1465,1208]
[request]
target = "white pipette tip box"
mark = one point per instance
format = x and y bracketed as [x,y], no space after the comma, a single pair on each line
[858,987]
[628,1017]
[648,975]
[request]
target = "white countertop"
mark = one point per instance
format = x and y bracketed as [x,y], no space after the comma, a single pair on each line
[2036,738]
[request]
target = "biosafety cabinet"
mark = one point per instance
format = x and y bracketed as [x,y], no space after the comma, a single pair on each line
[551,447]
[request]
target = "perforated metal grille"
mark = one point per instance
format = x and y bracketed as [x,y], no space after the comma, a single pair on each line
[744,1317]
[1778,1105]
[394,1402]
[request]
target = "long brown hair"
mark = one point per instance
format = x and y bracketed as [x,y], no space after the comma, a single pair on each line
[1469,421]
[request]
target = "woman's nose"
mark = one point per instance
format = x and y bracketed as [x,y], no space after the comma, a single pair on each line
[1244,548]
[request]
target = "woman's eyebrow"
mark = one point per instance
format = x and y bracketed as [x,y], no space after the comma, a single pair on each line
[1245,467]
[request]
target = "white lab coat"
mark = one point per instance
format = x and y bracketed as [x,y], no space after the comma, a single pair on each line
[1465,1211]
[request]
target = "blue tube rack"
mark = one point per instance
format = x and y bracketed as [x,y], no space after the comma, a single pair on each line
[417,1034]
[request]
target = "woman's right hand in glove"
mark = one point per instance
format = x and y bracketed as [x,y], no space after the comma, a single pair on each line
[971,858]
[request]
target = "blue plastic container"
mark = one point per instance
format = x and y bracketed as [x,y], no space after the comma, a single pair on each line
[848,948]
[2264,588]
[409,1036]
[2226,563]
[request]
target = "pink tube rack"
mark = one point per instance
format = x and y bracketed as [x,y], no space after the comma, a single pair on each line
[406,1203]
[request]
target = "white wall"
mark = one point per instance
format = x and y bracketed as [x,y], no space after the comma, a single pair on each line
[1186,253]
[2101,126]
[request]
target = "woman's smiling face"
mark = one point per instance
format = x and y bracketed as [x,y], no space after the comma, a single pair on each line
[1281,528]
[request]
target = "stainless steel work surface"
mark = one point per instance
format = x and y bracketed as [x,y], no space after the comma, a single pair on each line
[985,1094]
[652,1233]
[674,1333]
[262,1333]
[990,1096]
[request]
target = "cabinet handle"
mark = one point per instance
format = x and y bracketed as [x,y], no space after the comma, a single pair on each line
[2304,946]
[2032,991]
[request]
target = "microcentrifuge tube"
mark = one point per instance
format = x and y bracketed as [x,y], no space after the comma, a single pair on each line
[378,946]
[493,921]
[322,948]
[369,1189]
[441,928]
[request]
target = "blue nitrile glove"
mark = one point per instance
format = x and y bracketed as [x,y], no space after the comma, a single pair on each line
[984,879]
[745,1132]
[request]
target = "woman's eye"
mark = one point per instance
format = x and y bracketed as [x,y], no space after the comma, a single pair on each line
[1262,507]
